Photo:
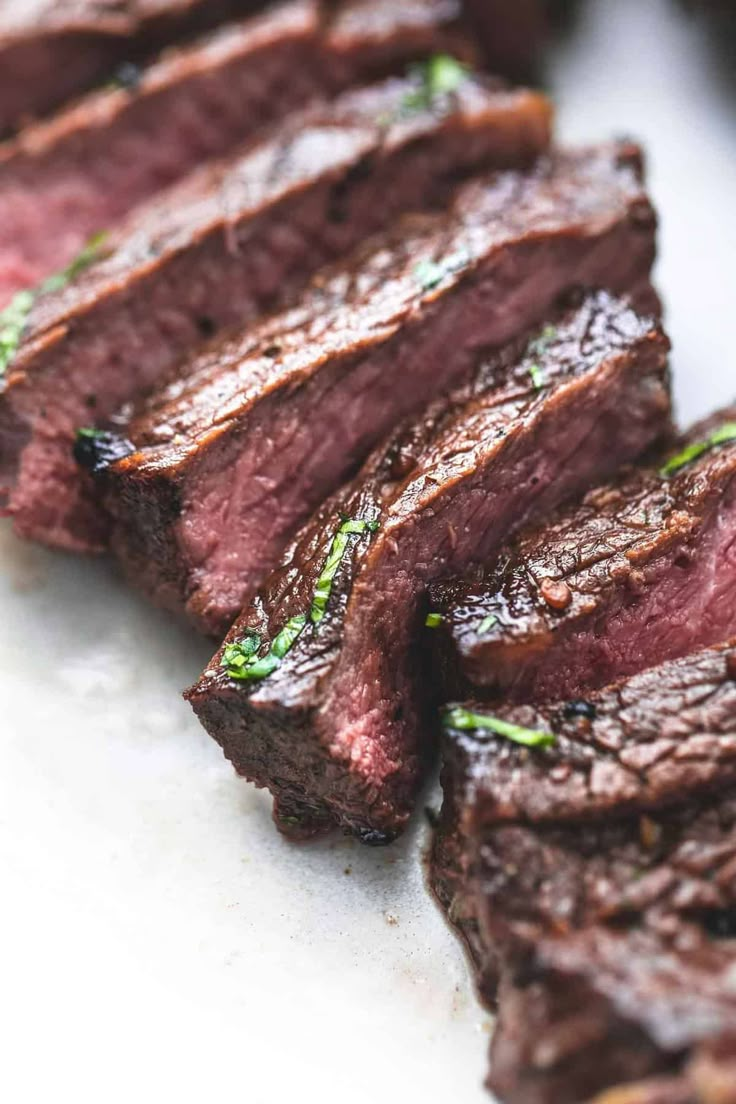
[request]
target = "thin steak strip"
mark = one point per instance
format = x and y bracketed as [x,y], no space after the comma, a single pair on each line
[51,50]
[224,473]
[595,878]
[64,180]
[642,570]
[335,730]
[227,244]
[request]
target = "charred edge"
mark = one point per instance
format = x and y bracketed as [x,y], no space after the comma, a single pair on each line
[96,452]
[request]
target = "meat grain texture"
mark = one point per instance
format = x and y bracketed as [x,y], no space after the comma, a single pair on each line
[645,564]
[338,730]
[371,343]
[593,880]
[231,242]
[79,173]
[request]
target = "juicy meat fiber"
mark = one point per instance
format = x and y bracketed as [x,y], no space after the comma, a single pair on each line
[229,243]
[647,568]
[336,731]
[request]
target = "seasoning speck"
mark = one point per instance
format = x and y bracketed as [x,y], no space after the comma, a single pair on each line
[555,593]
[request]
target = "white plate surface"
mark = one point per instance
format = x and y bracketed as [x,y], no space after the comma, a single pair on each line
[158,941]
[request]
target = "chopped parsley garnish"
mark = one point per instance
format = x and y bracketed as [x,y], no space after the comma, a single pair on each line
[430,274]
[332,564]
[433,620]
[487,623]
[241,659]
[14,319]
[537,348]
[440,75]
[721,436]
[537,377]
[464,720]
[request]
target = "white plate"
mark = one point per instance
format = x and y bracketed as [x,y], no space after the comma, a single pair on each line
[158,941]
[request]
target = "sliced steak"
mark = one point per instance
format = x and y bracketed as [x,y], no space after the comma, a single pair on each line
[636,1017]
[587,851]
[642,570]
[334,731]
[228,243]
[636,746]
[51,50]
[427,300]
[64,180]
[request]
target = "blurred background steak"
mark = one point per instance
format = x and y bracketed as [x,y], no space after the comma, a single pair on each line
[77,174]
[51,50]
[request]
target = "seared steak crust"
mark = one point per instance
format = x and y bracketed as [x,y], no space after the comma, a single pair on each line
[62,181]
[645,567]
[334,731]
[370,345]
[595,877]
[51,50]
[230,242]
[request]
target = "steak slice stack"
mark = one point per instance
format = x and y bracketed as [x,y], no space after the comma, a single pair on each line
[62,181]
[332,720]
[588,851]
[53,49]
[227,465]
[642,570]
[230,242]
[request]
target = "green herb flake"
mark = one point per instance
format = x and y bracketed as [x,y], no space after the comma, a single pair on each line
[241,659]
[335,557]
[464,720]
[14,319]
[721,436]
[87,257]
[537,377]
[433,620]
[439,76]
[242,662]
[430,274]
[487,623]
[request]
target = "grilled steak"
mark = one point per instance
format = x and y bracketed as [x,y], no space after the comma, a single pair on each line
[64,180]
[334,730]
[640,571]
[53,49]
[593,871]
[425,300]
[228,243]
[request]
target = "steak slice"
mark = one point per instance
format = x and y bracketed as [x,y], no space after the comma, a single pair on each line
[202,514]
[334,730]
[640,571]
[51,50]
[636,746]
[62,181]
[230,242]
[592,870]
